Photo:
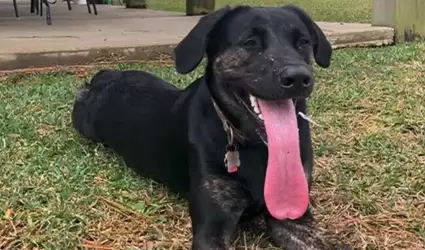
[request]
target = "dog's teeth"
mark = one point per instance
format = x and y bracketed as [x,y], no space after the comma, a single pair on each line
[255,106]
[253,100]
[256,109]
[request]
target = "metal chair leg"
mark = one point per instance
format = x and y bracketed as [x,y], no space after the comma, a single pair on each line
[48,13]
[88,6]
[94,7]
[36,6]
[15,5]
[41,7]
[69,4]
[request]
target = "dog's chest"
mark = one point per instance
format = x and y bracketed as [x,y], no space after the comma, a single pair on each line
[252,171]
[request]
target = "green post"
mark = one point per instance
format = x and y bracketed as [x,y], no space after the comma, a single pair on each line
[199,7]
[136,4]
[406,17]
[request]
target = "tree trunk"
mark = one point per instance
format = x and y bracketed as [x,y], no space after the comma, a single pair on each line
[199,7]
[136,4]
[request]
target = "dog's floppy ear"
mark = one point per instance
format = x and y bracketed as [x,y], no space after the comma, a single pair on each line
[321,47]
[190,51]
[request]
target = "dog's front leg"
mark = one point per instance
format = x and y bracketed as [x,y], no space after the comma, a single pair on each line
[306,148]
[216,204]
[302,234]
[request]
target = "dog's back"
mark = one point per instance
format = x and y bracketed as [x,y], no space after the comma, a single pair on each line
[132,112]
[104,86]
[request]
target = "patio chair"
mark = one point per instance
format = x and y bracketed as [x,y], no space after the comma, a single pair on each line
[38,6]
[48,14]
[34,6]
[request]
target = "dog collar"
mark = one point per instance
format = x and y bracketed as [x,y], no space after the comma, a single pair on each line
[231,131]
[231,158]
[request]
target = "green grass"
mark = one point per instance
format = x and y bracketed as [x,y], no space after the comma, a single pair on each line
[60,192]
[320,10]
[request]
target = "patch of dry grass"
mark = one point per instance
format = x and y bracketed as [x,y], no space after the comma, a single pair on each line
[60,192]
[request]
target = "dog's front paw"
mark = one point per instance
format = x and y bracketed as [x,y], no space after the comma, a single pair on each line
[293,235]
[330,241]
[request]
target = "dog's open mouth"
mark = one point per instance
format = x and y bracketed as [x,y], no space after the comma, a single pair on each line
[285,189]
[254,109]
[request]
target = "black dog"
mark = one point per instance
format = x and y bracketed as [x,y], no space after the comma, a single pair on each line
[231,142]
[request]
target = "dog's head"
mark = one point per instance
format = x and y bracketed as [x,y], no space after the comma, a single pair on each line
[259,63]
[255,53]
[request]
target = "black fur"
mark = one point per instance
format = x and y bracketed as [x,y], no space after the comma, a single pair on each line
[176,137]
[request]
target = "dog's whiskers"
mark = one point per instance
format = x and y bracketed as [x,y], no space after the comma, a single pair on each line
[305,117]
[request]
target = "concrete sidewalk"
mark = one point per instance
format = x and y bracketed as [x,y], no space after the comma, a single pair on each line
[120,34]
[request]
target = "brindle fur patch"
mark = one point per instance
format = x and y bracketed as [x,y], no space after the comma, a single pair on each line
[82,94]
[229,195]
[293,235]
[231,58]
[230,64]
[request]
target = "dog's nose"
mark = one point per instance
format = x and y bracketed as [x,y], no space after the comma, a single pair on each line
[296,77]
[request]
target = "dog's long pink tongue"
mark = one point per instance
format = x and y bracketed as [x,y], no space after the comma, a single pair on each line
[285,188]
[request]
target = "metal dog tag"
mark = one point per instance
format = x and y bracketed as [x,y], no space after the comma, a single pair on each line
[231,160]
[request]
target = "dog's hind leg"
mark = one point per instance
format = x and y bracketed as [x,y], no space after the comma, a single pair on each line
[302,234]
[216,205]
[83,113]
[87,101]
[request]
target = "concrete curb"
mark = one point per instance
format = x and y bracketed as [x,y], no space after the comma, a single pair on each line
[82,57]
[369,38]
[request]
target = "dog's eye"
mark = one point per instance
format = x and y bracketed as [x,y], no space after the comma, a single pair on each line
[302,42]
[251,43]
